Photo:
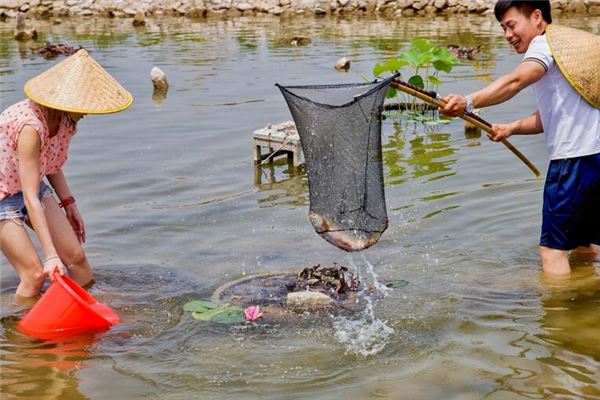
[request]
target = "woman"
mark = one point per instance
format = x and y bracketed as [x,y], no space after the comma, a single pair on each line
[34,140]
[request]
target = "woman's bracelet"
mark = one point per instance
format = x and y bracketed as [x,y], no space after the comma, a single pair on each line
[52,258]
[66,202]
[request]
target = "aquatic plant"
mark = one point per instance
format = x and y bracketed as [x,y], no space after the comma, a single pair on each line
[218,313]
[426,61]
[252,313]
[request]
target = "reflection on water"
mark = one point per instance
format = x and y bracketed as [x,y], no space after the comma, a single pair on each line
[54,363]
[409,156]
[175,208]
[284,184]
[570,303]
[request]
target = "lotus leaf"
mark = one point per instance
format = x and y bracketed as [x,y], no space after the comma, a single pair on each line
[199,306]
[231,315]
[207,315]
[219,313]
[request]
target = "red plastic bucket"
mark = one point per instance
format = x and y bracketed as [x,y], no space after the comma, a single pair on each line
[66,309]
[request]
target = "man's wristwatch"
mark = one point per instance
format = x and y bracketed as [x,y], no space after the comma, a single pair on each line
[470,106]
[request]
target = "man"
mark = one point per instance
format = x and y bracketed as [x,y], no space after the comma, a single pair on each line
[569,118]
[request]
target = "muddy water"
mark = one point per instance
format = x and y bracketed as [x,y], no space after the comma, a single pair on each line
[174,208]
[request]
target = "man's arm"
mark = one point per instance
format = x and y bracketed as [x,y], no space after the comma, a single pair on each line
[531,125]
[499,91]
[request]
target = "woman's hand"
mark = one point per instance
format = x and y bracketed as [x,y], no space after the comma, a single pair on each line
[501,131]
[76,221]
[53,264]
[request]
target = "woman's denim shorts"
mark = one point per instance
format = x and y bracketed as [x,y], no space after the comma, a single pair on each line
[13,206]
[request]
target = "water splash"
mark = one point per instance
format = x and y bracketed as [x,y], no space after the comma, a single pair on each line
[365,334]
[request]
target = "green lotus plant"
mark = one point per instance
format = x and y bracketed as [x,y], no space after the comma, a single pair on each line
[426,61]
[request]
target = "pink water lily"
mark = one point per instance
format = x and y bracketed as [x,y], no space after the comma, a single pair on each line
[252,313]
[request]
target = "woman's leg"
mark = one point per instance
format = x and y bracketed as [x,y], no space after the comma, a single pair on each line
[18,249]
[66,243]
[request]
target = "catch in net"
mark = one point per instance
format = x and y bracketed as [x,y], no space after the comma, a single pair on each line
[340,133]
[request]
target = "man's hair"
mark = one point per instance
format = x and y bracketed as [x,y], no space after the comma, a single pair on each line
[525,7]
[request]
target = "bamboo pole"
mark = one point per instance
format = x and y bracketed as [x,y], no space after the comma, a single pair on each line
[431,97]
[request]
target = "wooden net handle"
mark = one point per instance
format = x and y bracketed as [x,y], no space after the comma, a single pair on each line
[431,98]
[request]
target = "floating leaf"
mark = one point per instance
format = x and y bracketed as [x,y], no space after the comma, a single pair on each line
[207,315]
[219,313]
[231,315]
[397,284]
[199,306]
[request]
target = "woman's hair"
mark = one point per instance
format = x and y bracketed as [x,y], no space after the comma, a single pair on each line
[525,7]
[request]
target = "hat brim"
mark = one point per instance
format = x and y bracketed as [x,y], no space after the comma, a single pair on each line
[78,84]
[577,55]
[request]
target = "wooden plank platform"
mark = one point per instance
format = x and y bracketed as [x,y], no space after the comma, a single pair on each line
[279,139]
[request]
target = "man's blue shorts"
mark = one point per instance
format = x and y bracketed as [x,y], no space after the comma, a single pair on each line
[571,213]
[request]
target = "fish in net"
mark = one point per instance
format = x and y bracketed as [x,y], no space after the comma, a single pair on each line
[340,134]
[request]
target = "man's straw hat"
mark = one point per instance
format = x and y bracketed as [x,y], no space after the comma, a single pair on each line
[577,54]
[78,84]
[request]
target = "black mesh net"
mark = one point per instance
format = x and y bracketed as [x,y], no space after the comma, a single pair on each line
[340,132]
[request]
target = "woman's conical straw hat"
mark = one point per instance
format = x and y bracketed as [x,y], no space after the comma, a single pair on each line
[577,54]
[78,84]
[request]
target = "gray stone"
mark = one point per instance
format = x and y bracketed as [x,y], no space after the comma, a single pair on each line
[244,6]
[343,64]
[419,4]
[402,4]
[14,4]
[308,300]
[159,79]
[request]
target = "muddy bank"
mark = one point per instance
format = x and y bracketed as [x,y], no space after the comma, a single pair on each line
[211,8]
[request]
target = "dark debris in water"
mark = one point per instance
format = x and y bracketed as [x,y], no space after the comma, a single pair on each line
[51,50]
[335,281]
[465,53]
[293,41]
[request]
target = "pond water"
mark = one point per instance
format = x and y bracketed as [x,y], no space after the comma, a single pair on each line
[174,208]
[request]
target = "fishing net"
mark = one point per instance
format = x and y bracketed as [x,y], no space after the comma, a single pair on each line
[340,133]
